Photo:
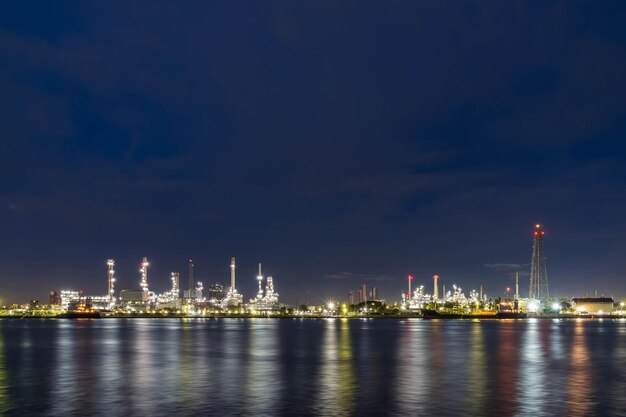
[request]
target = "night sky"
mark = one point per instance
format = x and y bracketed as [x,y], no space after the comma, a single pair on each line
[339,143]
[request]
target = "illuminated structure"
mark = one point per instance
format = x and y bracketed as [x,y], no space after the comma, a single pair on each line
[144,274]
[191,292]
[418,300]
[169,299]
[232,298]
[259,294]
[215,293]
[198,291]
[474,298]
[111,294]
[595,305]
[410,278]
[69,296]
[55,298]
[436,288]
[538,274]
[232,273]
[266,302]
[455,296]
[134,300]
[271,297]
[175,286]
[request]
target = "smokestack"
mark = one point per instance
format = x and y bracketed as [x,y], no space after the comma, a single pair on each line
[190,278]
[436,290]
[516,285]
[260,279]
[232,272]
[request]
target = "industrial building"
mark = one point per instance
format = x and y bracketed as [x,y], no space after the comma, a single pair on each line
[137,300]
[593,305]
[362,293]
[215,293]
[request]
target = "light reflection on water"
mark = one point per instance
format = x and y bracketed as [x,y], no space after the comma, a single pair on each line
[5,401]
[266,367]
[337,380]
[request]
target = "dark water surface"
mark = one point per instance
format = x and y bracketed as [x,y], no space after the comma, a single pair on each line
[326,367]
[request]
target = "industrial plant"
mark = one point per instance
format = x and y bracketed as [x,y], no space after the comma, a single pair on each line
[418,301]
[188,302]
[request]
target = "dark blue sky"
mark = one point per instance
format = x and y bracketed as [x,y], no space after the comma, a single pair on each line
[337,142]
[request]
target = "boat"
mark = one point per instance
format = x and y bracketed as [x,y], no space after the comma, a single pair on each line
[511,315]
[81,315]
[80,311]
[428,314]
[433,314]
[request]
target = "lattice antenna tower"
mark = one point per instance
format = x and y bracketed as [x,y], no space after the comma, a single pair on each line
[538,273]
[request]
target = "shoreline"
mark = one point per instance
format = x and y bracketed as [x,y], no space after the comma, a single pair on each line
[243,316]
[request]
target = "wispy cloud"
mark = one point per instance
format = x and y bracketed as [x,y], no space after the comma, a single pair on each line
[505,266]
[354,276]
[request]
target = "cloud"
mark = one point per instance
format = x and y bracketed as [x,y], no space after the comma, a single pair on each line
[505,266]
[352,276]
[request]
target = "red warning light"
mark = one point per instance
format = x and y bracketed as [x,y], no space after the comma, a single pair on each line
[410,277]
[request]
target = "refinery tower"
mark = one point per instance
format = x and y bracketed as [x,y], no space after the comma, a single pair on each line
[538,274]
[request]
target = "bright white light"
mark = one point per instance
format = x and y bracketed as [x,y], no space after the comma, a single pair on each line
[556,306]
[331,306]
[533,306]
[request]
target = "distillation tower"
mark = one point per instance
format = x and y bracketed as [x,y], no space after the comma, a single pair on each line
[144,274]
[232,298]
[266,302]
[259,294]
[538,274]
[111,293]
[175,286]
[191,291]
[271,297]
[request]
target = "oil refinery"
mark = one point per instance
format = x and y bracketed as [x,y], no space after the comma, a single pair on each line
[418,301]
[174,301]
